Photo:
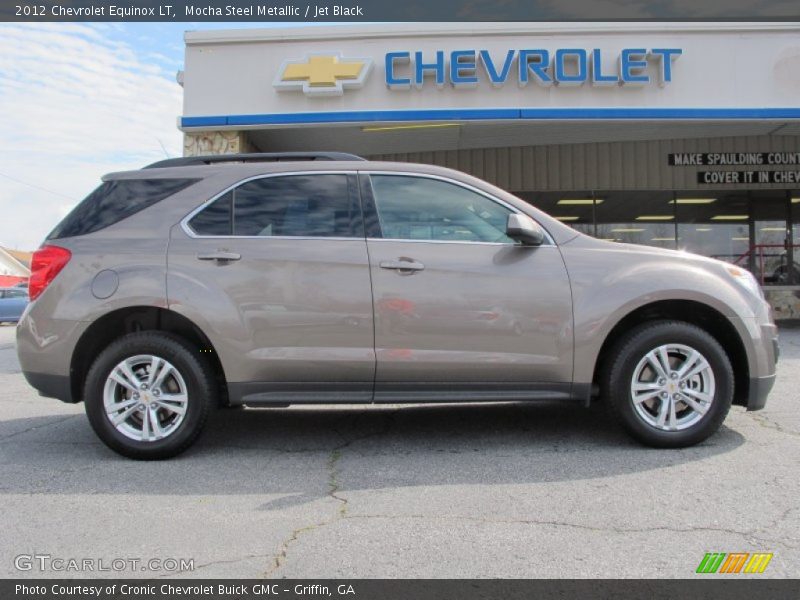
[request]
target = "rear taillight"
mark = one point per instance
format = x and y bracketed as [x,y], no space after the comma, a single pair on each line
[46,263]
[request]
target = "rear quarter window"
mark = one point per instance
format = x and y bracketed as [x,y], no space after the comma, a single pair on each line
[114,201]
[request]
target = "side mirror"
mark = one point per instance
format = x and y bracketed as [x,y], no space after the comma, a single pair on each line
[524,229]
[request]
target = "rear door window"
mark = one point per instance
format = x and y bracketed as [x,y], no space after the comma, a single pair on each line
[313,205]
[216,218]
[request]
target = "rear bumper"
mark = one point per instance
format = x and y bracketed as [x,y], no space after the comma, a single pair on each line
[759,390]
[45,347]
[51,386]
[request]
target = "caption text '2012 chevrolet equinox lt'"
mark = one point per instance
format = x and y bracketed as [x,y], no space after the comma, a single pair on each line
[322,278]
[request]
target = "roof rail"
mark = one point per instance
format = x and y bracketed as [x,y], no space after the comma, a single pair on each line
[188,161]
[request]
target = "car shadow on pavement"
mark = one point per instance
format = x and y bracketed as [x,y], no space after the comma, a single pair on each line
[300,454]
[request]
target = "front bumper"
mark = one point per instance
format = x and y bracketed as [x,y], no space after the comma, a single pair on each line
[763,377]
[759,390]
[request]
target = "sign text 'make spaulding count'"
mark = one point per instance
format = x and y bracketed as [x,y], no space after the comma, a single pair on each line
[564,66]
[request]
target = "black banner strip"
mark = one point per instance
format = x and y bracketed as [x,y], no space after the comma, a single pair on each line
[734,587]
[391,10]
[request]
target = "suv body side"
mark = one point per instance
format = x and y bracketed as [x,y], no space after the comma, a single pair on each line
[606,283]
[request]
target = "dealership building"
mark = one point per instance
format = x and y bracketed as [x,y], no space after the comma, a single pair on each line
[678,135]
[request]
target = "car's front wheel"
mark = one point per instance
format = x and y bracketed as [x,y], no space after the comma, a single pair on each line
[148,394]
[669,383]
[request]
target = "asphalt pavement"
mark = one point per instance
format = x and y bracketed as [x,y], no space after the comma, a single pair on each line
[504,490]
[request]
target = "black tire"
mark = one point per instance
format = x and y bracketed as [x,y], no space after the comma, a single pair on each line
[632,348]
[194,370]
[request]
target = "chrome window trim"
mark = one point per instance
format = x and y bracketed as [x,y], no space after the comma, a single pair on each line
[274,237]
[184,223]
[549,239]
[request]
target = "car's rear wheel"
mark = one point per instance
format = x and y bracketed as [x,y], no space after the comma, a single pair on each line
[148,394]
[669,383]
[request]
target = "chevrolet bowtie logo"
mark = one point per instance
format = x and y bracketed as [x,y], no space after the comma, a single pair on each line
[323,74]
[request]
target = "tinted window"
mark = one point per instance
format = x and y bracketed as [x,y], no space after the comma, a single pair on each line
[16,293]
[114,201]
[216,218]
[416,208]
[288,206]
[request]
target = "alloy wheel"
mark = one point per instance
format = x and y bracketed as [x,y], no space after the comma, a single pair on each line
[145,398]
[672,387]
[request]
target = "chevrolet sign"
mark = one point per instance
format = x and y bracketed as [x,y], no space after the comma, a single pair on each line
[322,74]
[564,66]
[330,74]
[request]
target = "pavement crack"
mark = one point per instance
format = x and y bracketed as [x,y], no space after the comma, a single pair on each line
[279,559]
[334,489]
[553,523]
[333,481]
[767,423]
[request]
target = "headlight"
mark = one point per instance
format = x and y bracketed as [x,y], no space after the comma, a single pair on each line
[745,278]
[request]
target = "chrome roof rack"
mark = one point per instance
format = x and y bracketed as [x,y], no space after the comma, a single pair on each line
[189,161]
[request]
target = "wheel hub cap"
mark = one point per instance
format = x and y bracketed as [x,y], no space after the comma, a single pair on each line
[145,398]
[672,387]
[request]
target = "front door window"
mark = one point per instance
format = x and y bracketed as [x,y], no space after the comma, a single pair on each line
[415,208]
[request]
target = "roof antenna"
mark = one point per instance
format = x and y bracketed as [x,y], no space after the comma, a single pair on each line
[160,143]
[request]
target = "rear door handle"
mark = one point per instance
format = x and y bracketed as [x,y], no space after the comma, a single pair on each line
[404,264]
[220,256]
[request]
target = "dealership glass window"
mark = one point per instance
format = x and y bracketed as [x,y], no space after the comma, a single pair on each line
[645,217]
[715,224]
[758,230]
[575,209]
[418,208]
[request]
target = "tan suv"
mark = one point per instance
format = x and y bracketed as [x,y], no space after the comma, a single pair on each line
[270,280]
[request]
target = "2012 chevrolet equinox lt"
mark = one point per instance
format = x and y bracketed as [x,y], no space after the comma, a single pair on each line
[323,278]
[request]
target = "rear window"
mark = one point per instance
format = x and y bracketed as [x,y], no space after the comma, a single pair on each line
[114,201]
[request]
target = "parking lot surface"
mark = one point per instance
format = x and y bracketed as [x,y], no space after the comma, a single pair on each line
[539,490]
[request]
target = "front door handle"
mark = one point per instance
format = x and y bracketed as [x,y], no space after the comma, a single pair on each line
[403,264]
[220,256]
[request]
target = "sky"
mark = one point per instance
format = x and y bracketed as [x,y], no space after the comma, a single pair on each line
[79,100]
